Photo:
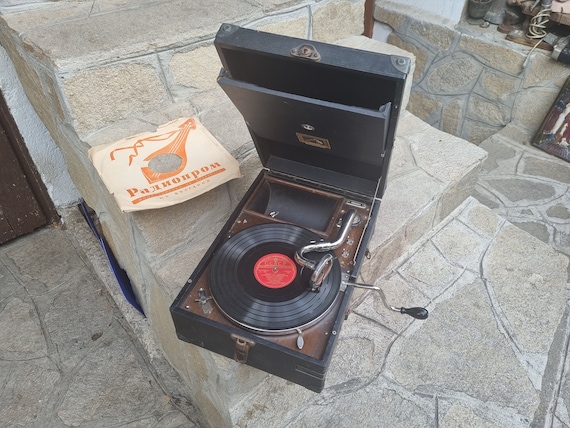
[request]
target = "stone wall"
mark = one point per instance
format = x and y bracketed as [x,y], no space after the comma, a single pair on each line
[470,81]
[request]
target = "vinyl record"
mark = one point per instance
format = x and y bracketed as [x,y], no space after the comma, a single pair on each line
[256,283]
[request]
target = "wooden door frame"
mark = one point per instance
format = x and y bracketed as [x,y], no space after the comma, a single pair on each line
[368,18]
[25,160]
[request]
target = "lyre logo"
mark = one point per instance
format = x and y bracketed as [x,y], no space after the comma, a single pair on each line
[176,162]
[167,161]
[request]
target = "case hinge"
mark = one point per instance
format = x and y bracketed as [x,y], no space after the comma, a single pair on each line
[241,349]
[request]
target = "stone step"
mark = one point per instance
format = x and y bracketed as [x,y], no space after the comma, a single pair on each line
[488,353]
[431,173]
[527,186]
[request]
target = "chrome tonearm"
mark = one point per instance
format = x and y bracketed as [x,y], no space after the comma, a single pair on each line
[322,267]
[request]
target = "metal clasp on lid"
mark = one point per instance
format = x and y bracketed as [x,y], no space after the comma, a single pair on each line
[306,51]
[241,349]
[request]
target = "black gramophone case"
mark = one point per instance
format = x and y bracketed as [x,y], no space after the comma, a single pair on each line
[323,120]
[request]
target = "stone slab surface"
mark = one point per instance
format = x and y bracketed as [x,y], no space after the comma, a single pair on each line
[67,356]
[431,173]
[528,187]
[488,355]
[75,33]
[82,34]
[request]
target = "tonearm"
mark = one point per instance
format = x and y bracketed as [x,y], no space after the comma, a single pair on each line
[322,267]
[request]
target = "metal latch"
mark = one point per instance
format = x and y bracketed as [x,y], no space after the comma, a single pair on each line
[242,348]
[306,51]
[204,301]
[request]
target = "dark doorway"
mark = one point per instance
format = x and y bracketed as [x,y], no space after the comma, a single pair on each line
[24,202]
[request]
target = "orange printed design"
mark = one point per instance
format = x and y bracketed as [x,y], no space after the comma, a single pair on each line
[170,186]
[177,146]
[178,161]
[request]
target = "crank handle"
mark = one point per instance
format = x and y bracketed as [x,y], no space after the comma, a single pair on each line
[416,312]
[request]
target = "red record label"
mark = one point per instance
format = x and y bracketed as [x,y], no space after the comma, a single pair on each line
[275,270]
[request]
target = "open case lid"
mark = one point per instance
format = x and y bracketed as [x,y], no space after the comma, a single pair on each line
[320,112]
